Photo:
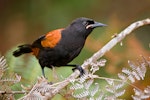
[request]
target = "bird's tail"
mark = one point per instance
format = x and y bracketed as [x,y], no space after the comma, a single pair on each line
[22,49]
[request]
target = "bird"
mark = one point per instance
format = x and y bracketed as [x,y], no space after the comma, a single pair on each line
[60,46]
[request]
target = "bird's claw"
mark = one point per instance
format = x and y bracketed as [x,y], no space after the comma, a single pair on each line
[81,70]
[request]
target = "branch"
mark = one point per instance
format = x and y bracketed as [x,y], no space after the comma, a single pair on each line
[12,92]
[50,90]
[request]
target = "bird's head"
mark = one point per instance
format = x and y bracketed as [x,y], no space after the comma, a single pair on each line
[84,26]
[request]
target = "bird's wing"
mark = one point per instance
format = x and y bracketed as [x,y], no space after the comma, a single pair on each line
[51,39]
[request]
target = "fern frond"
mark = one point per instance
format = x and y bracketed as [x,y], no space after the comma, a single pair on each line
[119,93]
[119,85]
[101,94]
[91,98]
[138,70]
[126,71]
[94,90]
[3,66]
[141,95]
[147,90]
[33,96]
[83,78]
[114,87]
[109,89]
[11,80]
[109,81]
[81,95]
[131,78]
[43,88]
[3,63]
[112,97]
[136,75]
[96,65]
[88,83]
[77,86]
[122,76]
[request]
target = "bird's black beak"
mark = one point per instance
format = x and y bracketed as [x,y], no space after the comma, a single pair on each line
[96,24]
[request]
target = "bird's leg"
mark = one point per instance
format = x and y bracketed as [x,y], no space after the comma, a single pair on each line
[43,72]
[78,67]
[55,76]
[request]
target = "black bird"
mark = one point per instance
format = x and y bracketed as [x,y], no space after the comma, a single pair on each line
[60,46]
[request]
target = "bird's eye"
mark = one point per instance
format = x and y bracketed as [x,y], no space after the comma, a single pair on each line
[86,23]
[90,22]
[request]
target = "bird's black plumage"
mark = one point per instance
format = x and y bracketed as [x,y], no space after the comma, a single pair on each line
[59,47]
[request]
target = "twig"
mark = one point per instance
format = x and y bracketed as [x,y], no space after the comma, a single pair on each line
[86,64]
[13,92]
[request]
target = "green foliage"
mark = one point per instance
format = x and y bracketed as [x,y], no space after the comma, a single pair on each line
[7,81]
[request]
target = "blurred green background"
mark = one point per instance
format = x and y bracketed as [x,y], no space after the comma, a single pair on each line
[23,21]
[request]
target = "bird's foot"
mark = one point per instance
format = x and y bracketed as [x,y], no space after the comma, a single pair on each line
[50,83]
[81,70]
